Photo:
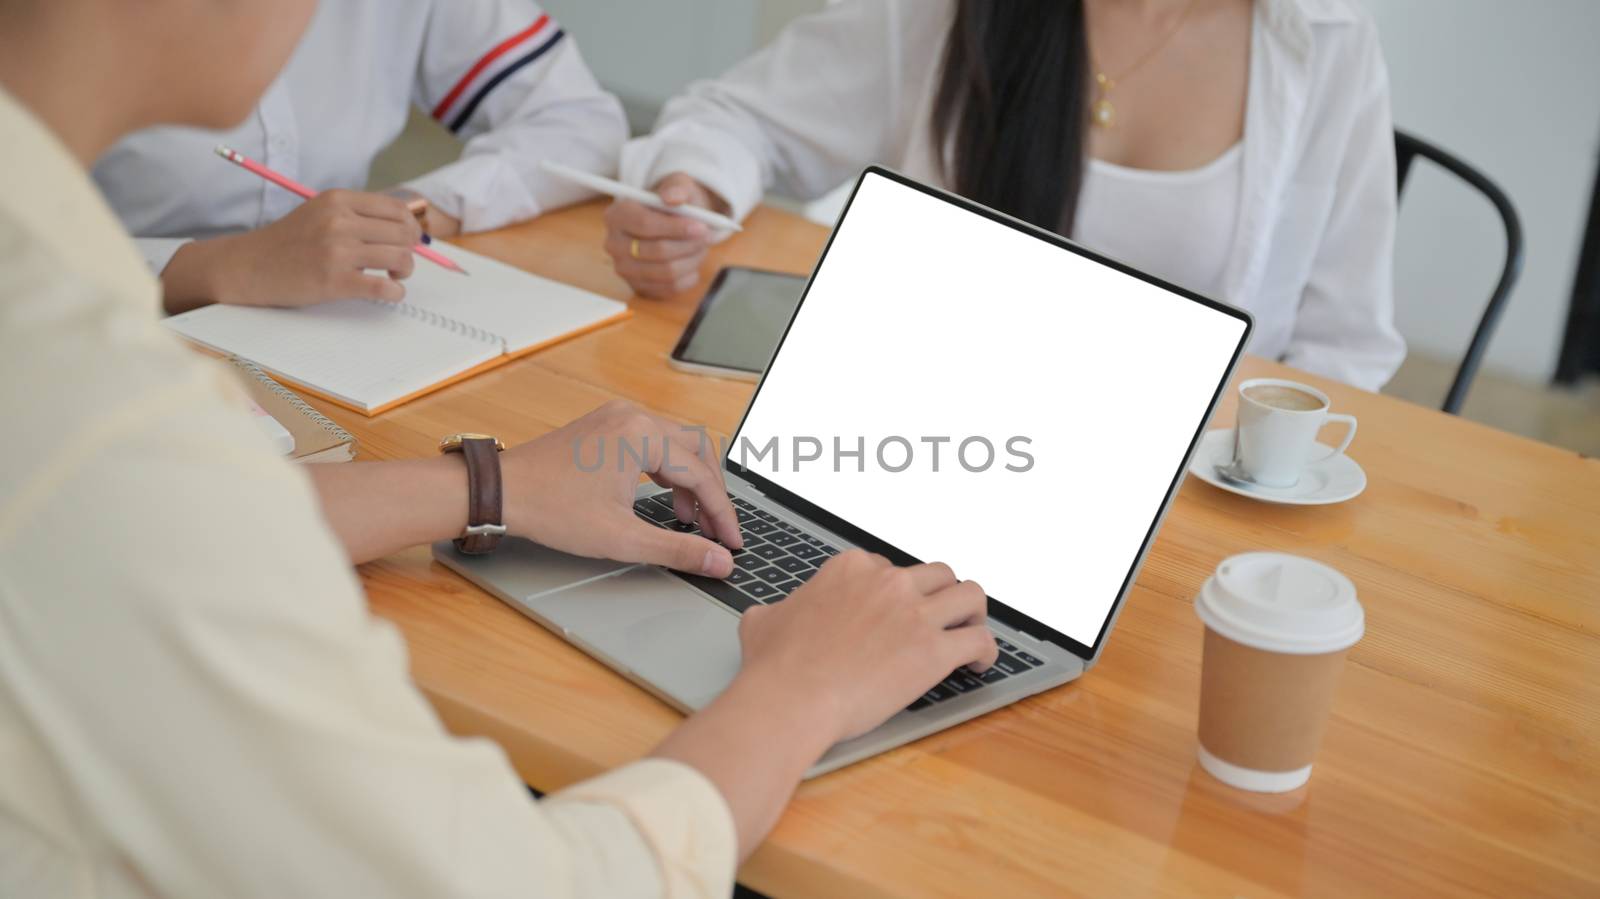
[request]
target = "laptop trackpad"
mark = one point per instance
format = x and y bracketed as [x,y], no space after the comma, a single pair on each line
[667,633]
[521,570]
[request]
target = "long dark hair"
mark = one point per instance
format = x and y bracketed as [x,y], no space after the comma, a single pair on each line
[1012,107]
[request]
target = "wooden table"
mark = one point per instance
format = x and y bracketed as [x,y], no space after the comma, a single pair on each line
[1462,756]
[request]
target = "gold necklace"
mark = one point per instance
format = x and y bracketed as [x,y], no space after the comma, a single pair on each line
[1102,112]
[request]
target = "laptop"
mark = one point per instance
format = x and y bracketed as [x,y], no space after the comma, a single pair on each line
[954,385]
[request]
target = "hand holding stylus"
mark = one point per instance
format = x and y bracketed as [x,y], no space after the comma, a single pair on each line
[660,253]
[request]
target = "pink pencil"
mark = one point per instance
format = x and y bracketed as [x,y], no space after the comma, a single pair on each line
[300,190]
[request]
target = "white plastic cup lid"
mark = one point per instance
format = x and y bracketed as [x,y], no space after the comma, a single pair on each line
[1281,603]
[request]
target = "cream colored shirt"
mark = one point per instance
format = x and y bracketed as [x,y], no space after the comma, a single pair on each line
[194,699]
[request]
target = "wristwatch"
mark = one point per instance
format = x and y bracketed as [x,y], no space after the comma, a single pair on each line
[485,510]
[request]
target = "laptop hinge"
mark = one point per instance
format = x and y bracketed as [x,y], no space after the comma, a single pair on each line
[1086,662]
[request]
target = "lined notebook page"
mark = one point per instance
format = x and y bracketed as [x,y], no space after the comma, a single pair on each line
[368,354]
[523,309]
[362,353]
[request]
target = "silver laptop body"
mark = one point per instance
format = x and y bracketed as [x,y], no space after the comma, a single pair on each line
[672,635]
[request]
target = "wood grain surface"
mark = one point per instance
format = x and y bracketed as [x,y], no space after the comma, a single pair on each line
[1462,756]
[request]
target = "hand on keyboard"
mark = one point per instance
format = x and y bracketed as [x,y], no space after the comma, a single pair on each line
[868,637]
[551,497]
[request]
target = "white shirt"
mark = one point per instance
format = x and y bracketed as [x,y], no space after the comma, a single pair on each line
[194,699]
[1175,225]
[501,74]
[1311,253]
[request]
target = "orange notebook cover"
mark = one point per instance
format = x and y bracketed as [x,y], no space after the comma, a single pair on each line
[371,356]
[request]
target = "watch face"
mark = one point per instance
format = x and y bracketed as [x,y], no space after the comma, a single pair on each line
[453,442]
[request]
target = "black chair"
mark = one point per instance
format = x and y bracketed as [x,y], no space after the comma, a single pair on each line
[1406,149]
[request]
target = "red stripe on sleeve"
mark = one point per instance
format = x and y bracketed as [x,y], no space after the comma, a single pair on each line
[477,69]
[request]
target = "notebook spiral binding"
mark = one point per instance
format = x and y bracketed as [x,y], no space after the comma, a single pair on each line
[293,399]
[445,322]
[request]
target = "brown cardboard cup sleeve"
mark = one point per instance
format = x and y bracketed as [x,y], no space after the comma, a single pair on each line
[1277,630]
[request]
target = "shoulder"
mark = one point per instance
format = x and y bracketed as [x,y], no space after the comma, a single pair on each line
[904,38]
[1334,42]
[924,24]
[81,329]
[915,25]
[919,14]
[1341,29]
[140,454]
[1320,27]
[1334,12]
[93,379]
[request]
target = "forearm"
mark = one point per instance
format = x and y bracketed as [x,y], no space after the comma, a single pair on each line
[191,278]
[378,508]
[438,224]
[754,742]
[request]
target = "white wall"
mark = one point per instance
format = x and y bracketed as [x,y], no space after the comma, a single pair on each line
[645,51]
[1514,89]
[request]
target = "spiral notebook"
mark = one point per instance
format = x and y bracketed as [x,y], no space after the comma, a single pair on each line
[316,437]
[372,356]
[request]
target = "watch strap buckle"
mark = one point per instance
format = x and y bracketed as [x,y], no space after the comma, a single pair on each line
[485,504]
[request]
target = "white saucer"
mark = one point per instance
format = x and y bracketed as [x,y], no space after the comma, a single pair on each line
[1330,481]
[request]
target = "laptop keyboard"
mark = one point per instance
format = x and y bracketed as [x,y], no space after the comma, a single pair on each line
[778,557]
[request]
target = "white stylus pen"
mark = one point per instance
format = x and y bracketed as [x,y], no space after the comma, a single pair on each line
[638,195]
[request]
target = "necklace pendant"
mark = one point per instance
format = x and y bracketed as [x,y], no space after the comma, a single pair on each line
[1103,113]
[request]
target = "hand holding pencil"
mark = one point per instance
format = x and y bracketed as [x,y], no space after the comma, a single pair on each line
[331,247]
[306,193]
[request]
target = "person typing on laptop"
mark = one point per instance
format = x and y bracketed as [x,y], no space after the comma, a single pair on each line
[194,700]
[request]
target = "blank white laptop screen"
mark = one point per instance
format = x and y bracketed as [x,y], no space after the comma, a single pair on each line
[928,321]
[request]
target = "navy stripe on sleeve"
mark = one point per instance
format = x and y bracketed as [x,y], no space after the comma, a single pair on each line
[472,105]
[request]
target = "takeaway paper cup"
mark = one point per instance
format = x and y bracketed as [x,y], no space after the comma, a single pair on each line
[1277,628]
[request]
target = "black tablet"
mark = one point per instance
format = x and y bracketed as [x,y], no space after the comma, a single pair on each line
[739,323]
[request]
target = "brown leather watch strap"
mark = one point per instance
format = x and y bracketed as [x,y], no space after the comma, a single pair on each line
[485,500]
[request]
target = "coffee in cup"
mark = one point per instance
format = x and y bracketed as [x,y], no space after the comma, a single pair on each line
[1277,630]
[1278,396]
[1278,425]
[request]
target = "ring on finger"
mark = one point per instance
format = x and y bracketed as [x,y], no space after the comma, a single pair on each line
[633,248]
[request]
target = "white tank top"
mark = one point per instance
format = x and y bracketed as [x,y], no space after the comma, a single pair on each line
[1175,225]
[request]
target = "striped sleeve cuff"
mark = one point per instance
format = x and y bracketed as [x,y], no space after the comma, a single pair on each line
[680,815]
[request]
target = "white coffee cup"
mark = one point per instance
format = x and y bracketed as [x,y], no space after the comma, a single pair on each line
[1277,630]
[1278,424]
